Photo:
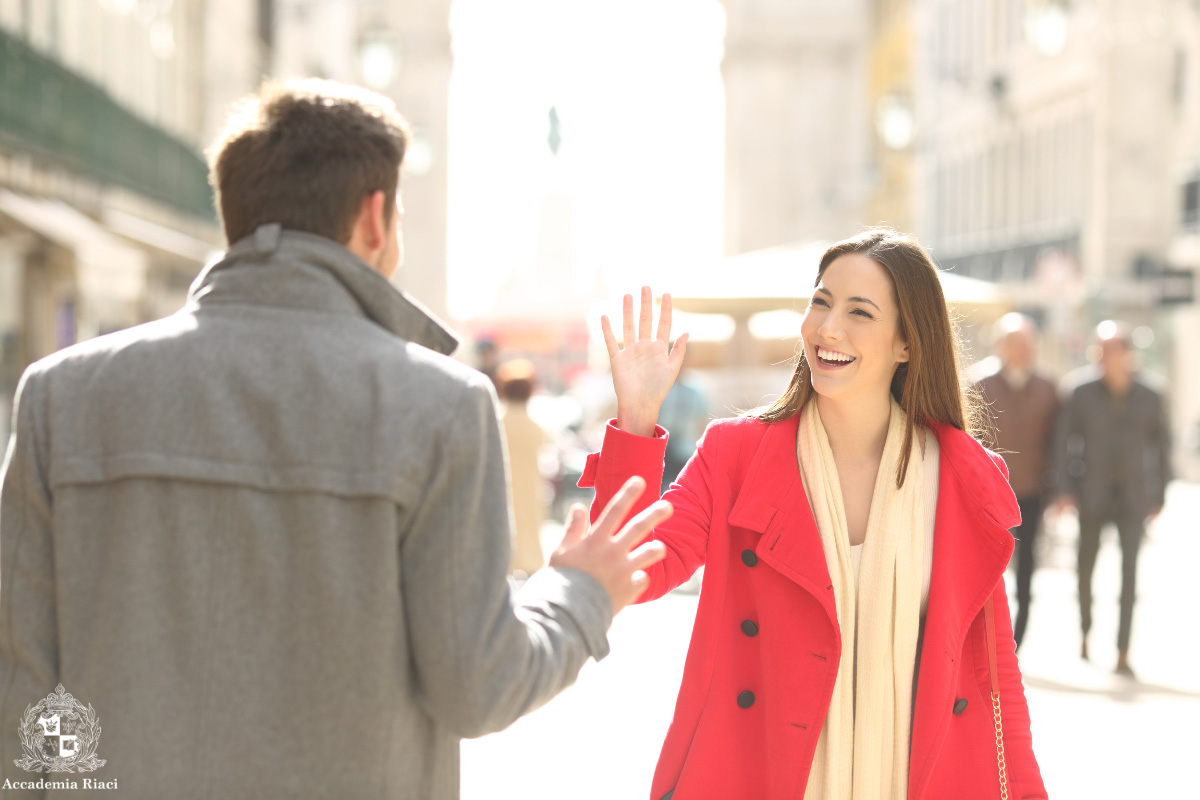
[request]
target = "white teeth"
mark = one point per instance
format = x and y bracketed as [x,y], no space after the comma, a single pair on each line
[830,355]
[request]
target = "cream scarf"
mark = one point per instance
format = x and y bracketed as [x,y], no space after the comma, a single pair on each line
[863,749]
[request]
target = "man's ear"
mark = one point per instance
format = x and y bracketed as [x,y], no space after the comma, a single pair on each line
[369,230]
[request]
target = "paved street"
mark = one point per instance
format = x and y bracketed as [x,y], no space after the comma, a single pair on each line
[1096,735]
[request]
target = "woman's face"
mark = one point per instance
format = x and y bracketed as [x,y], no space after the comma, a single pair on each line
[851,330]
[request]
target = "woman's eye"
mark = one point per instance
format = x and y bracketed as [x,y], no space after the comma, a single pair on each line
[817,301]
[862,313]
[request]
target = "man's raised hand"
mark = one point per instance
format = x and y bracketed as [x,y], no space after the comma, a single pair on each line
[613,556]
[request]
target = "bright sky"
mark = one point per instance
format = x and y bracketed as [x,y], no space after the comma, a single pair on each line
[637,84]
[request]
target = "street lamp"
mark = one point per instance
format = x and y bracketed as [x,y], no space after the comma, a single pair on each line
[894,121]
[378,58]
[1046,25]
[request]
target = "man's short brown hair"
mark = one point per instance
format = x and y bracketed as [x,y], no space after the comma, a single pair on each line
[305,154]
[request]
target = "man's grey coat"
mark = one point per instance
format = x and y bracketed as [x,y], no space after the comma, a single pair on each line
[267,539]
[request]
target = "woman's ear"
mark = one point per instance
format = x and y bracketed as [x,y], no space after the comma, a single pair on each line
[901,350]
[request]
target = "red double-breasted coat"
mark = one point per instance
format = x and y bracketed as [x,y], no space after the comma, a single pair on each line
[754,696]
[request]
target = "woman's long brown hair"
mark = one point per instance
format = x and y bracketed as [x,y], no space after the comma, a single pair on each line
[929,387]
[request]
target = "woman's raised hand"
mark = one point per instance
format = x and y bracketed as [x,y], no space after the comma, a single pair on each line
[644,369]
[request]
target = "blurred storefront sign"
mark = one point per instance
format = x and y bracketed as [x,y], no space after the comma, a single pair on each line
[1017,264]
[1177,287]
[110,275]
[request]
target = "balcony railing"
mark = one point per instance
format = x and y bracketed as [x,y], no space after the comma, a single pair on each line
[51,112]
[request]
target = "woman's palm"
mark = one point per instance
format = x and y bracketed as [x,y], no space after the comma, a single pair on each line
[644,369]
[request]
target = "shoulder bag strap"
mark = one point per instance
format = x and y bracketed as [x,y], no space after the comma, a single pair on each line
[989,618]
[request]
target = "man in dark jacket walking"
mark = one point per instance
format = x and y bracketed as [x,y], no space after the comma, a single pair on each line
[1023,404]
[267,538]
[1114,463]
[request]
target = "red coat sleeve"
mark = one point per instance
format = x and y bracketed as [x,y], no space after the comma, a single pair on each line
[623,455]
[1024,775]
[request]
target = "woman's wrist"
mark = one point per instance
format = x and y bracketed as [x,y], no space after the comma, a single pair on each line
[638,421]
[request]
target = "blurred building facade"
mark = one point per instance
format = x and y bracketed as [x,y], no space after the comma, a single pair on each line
[1049,158]
[891,115]
[105,211]
[796,135]
[401,50]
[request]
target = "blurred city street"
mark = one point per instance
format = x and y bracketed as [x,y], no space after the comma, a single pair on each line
[1096,735]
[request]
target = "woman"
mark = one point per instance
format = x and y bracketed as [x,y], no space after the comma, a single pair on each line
[854,537]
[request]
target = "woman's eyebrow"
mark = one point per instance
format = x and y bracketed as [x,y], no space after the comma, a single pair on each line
[852,299]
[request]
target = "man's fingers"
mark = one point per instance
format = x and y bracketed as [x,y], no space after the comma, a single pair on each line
[619,506]
[647,554]
[640,581]
[627,328]
[577,525]
[640,526]
[610,341]
[647,316]
[664,320]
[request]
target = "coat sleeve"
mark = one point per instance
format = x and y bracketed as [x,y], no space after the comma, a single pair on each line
[685,533]
[28,627]
[1024,775]
[482,656]
[1067,454]
[1162,449]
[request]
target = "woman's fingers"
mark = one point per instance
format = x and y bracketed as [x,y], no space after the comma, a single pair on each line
[610,341]
[627,308]
[664,320]
[646,320]
[677,353]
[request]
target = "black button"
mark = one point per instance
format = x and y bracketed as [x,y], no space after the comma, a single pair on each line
[746,699]
[749,628]
[960,706]
[748,558]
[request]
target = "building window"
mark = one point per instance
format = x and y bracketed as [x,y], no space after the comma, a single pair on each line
[1191,202]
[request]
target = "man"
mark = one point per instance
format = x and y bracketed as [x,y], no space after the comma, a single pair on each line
[1023,405]
[1114,454]
[267,538]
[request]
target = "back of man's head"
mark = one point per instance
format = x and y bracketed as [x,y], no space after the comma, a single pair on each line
[305,154]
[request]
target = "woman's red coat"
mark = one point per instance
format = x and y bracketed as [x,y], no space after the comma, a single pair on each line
[741,511]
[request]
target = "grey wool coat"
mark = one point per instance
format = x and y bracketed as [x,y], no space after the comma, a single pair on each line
[267,538]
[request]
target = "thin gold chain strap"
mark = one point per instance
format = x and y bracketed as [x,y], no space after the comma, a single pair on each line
[1000,747]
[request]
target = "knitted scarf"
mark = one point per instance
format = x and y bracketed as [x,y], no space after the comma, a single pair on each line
[863,749]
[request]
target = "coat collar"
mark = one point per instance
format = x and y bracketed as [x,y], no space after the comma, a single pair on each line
[293,269]
[971,547]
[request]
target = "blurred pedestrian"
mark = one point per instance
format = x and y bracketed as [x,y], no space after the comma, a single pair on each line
[1113,456]
[1023,405]
[487,358]
[684,413]
[853,637]
[267,538]
[525,439]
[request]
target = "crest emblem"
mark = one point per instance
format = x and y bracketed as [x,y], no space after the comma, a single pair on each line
[59,735]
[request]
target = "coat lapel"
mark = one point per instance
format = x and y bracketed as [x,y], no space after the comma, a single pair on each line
[971,549]
[771,501]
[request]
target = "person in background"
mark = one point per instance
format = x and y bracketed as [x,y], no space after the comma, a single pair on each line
[525,438]
[1113,454]
[487,358]
[1023,405]
[684,413]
